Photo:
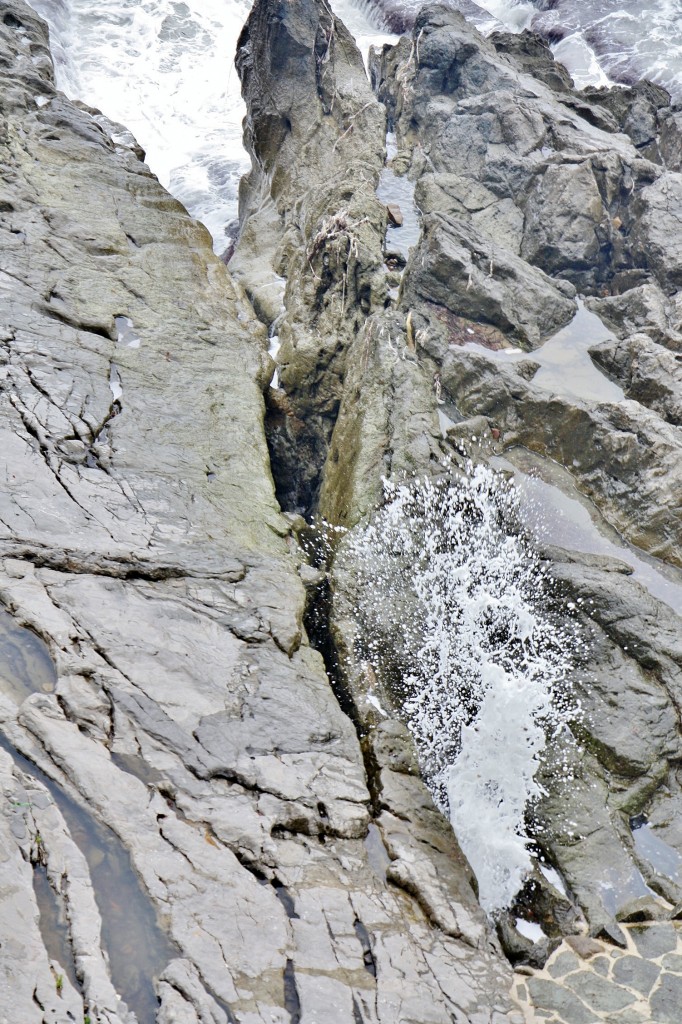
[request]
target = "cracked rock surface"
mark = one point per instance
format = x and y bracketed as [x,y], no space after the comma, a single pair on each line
[141,540]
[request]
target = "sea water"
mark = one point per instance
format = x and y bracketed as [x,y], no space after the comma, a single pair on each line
[165,70]
[481,673]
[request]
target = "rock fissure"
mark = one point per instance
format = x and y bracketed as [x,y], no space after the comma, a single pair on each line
[275,811]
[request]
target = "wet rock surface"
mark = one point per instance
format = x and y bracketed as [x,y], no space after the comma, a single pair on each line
[530,192]
[141,540]
[287,847]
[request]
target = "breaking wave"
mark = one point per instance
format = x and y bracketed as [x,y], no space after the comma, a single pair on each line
[455,612]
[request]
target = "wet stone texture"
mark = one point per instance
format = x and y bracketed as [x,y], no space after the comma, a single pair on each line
[641,984]
[142,542]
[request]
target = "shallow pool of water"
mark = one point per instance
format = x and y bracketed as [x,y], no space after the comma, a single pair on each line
[619,887]
[529,929]
[664,859]
[137,948]
[566,368]
[25,663]
[377,854]
[398,190]
[556,513]
[53,925]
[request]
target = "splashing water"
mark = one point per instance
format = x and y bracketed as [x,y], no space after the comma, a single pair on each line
[164,69]
[452,608]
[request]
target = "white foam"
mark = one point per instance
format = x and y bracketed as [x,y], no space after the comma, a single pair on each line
[529,929]
[273,349]
[115,384]
[125,333]
[553,877]
[513,15]
[374,701]
[581,62]
[164,69]
[485,679]
[364,24]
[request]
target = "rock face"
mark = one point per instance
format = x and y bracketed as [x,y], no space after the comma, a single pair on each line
[282,857]
[528,192]
[309,212]
[140,538]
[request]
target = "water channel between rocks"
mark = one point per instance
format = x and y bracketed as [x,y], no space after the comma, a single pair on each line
[137,948]
[398,191]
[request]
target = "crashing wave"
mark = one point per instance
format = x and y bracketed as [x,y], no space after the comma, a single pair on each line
[455,612]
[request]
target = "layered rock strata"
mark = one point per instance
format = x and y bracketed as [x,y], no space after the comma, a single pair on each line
[141,539]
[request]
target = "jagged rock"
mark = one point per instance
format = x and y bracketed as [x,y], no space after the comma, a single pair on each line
[296,872]
[643,308]
[459,270]
[643,112]
[561,160]
[566,429]
[141,540]
[565,218]
[584,946]
[647,372]
[532,54]
[655,230]
[455,104]
[309,212]
[646,908]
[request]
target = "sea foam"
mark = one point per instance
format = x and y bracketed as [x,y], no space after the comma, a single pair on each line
[454,609]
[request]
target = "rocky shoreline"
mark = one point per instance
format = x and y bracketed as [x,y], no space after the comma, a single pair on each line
[153,535]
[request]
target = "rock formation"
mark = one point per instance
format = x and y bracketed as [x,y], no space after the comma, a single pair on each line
[142,541]
[164,709]
[528,191]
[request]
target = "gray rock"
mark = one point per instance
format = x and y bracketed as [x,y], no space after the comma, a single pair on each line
[643,308]
[548,995]
[647,372]
[655,236]
[653,940]
[317,137]
[601,965]
[461,270]
[672,962]
[564,964]
[646,908]
[601,995]
[636,973]
[666,1000]
[563,428]
[564,219]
